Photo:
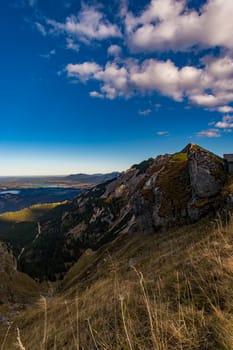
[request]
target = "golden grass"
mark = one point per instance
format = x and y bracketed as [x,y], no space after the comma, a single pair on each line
[170,291]
[177,157]
[30,214]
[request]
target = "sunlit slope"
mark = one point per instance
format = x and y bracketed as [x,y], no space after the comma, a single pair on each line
[31,214]
[21,227]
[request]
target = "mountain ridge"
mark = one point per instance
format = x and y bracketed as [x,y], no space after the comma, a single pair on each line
[172,189]
[92,178]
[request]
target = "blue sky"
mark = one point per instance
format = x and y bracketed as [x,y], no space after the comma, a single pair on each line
[96,86]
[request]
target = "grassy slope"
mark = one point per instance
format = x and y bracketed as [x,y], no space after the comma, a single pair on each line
[20,228]
[31,214]
[167,291]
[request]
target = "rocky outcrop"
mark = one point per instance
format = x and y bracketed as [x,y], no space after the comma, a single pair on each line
[207,172]
[153,195]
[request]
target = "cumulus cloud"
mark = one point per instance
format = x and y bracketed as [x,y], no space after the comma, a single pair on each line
[205,100]
[225,109]
[83,71]
[210,86]
[162,25]
[114,50]
[90,24]
[170,24]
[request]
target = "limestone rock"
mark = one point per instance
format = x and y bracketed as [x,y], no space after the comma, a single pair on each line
[207,172]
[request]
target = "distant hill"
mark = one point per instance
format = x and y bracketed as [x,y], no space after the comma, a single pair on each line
[91,179]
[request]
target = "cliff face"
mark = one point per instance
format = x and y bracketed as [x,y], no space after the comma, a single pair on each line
[156,194]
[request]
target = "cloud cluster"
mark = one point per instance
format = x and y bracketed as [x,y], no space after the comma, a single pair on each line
[210,86]
[162,25]
[225,125]
[89,24]
[169,24]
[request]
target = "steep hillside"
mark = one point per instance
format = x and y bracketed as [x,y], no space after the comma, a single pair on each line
[19,228]
[16,289]
[14,285]
[159,193]
[141,292]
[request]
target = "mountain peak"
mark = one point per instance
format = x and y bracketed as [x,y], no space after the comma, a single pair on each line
[190,146]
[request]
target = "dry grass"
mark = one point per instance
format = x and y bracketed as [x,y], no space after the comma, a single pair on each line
[162,292]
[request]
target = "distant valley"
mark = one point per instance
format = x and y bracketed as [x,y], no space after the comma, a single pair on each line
[17,193]
[17,199]
[74,180]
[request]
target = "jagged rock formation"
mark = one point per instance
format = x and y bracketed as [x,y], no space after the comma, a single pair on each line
[156,194]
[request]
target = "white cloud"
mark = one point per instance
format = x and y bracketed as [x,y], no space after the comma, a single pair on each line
[96,94]
[225,123]
[162,133]
[157,75]
[41,28]
[163,24]
[115,80]
[71,45]
[209,133]
[114,50]
[169,24]
[205,100]
[225,109]
[83,71]
[89,24]
[49,55]
[145,112]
